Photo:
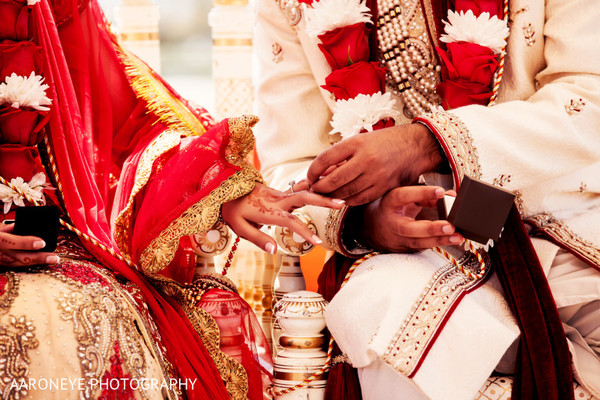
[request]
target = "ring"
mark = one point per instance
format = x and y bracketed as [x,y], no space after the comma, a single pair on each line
[292,183]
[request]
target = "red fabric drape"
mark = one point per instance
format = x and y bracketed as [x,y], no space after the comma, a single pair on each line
[93,107]
[544,361]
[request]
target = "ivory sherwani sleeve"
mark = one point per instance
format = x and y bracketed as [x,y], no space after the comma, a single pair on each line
[294,111]
[542,139]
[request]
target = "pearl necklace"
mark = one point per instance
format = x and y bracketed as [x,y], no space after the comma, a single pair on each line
[409,61]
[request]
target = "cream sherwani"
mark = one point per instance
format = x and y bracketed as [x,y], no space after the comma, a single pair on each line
[541,140]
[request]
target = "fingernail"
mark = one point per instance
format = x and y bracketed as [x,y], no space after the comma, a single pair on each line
[456,239]
[52,260]
[38,244]
[316,239]
[338,201]
[270,248]
[439,192]
[447,229]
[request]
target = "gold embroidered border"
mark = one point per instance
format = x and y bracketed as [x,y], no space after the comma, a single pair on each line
[415,334]
[458,141]
[163,143]
[232,372]
[333,226]
[161,102]
[431,23]
[241,139]
[565,237]
[11,291]
[198,218]
[16,339]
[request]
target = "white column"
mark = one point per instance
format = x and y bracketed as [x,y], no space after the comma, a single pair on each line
[231,23]
[137,27]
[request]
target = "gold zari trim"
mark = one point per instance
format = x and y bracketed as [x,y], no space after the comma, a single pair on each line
[333,226]
[169,109]
[241,139]
[163,143]
[563,235]
[198,218]
[232,372]
[427,314]
[459,142]
[11,291]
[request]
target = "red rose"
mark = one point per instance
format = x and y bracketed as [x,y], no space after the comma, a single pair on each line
[346,45]
[384,123]
[21,126]
[359,78]
[309,2]
[460,93]
[467,72]
[15,20]
[16,160]
[494,7]
[19,57]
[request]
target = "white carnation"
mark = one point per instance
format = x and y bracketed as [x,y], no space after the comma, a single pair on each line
[327,15]
[362,112]
[21,91]
[483,30]
[34,189]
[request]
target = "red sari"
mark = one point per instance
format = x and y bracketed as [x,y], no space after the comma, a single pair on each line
[137,169]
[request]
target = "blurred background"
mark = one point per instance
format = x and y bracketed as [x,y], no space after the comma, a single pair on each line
[185,46]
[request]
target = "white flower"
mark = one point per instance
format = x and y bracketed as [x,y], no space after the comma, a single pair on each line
[34,189]
[32,2]
[327,15]
[362,112]
[483,30]
[21,91]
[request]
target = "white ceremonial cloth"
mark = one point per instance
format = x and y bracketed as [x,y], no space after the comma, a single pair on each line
[366,313]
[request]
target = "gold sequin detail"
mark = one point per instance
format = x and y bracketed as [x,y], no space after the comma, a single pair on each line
[546,224]
[460,143]
[529,34]
[501,180]
[292,10]
[333,227]
[241,139]
[200,217]
[277,53]
[11,291]
[574,106]
[159,146]
[16,339]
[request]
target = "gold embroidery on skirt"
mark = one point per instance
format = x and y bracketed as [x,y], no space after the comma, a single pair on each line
[100,318]
[11,291]
[16,339]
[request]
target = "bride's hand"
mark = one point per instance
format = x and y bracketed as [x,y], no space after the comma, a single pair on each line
[16,251]
[267,206]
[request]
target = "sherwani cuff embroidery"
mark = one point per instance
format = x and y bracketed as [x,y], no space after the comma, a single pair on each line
[333,233]
[456,141]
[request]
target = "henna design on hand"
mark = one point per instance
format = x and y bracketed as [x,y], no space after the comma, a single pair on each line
[9,259]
